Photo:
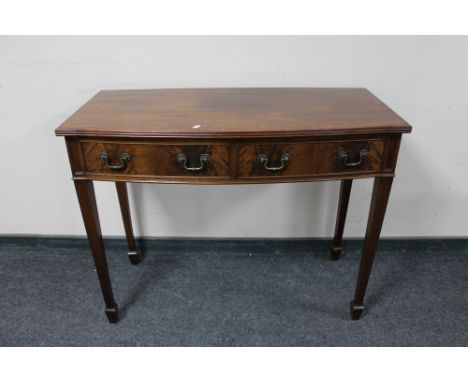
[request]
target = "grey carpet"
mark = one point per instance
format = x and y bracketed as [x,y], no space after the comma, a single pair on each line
[234,293]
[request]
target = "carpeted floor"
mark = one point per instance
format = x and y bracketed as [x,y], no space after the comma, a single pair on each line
[235,293]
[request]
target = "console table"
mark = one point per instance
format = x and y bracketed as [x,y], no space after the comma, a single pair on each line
[233,136]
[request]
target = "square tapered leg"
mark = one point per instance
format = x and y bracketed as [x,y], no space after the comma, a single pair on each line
[133,254]
[380,195]
[87,200]
[336,246]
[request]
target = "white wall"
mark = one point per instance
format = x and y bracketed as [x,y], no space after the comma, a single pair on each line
[44,79]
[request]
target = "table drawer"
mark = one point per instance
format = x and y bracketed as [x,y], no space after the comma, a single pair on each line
[148,159]
[302,159]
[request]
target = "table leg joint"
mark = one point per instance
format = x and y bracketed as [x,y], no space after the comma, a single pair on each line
[112,314]
[335,252]
[134,257]
[356,311]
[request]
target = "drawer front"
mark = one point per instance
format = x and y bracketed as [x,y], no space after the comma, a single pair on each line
[140,159]
[303,159]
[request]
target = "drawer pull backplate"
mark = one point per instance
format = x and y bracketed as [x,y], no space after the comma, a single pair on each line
[344,157]
[182,159]
[263,159]
[107,160]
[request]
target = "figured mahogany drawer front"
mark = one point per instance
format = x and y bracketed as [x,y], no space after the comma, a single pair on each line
[310,158]
[150,159]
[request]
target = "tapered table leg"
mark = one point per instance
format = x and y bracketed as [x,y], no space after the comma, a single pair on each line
[380,194]
[127,221]
[345,191]
[87,200]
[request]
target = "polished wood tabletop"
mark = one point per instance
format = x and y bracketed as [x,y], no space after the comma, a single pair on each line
[233,136]
[237,112]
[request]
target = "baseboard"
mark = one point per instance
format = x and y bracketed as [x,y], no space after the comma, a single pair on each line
[225,244]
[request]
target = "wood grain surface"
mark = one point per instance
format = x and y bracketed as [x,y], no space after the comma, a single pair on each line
[233,112]
[309,158]
[157,160]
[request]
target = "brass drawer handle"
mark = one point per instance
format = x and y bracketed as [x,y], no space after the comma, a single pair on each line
[182,159]
[124,159]
[344,157]
[263,159]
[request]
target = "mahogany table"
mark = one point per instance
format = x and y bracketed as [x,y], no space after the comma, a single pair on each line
[233,136]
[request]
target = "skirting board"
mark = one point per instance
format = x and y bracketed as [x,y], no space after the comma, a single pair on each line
[248,244]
